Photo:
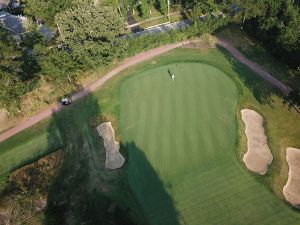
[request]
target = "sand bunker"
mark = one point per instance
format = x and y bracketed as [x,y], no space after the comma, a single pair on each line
[258,156]
[291,190]
[113,159]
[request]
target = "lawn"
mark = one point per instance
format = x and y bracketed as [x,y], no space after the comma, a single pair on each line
[221,184]
[182,163]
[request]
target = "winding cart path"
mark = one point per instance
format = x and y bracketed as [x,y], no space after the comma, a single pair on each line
[131,61]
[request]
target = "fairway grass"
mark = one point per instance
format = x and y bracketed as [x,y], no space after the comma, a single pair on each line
[182,162]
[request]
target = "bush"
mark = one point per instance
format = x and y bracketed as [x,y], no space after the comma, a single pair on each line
[146,42]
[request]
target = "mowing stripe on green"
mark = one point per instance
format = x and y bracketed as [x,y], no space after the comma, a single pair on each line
[182,163]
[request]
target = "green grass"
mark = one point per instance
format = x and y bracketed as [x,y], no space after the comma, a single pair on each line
[182,166]
[256,52]
[27,146]
[72,125]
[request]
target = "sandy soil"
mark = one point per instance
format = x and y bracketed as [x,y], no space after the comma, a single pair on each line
[291,190]
[258,156]
[114,159]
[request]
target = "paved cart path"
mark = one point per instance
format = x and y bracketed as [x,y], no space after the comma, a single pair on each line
[255,67]
[133,61]
[90,88]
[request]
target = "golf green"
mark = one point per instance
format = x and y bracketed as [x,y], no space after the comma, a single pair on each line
[181,135]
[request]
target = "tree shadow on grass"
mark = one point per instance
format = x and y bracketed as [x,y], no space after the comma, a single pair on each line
[84,192]
[261,89]
[149,189]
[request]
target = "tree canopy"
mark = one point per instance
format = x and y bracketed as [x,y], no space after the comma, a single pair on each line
[92,34]
[11,85]
[274,23]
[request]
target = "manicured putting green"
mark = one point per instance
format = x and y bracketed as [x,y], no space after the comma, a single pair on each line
[181,137]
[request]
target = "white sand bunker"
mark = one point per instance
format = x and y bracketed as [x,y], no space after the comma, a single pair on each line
[291,190]
[258,156]
[114,159]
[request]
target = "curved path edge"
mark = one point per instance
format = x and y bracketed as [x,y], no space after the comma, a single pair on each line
[284,89]
[141,57]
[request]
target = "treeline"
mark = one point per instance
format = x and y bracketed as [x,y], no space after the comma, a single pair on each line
[17,70]
[276,23]
[46,10]
[89,36]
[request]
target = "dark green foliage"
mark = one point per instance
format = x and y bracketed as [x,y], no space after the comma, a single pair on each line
[56,64]
[11,85]
[293,100]
[163,6]
[91,34]
[45,9]
[276,24]
[144,9]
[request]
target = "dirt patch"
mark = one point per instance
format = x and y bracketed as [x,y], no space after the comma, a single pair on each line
[206,41]
[113,159]
[258,156]
[291,190]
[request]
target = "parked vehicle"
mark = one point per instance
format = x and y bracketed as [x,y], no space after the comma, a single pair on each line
[66,101]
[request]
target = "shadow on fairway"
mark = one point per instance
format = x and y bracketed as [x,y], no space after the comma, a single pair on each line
[81,194]
[261,89]
[157,204]
[84,192]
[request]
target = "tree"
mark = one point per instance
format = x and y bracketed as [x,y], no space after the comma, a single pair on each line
[56,64]
[163,6]
[92,34]
[289,34]
[11,84]
[144,9]
[275,23]
[46,10]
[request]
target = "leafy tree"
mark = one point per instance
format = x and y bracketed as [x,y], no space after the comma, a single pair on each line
[11,89]
[92,34]
[289,34]
[276,24]
[163,6]
[56,64]
[144,9]
[208,6]
[11,85]
[46,10]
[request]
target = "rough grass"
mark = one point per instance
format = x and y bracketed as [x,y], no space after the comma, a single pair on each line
[255,51]
[282,126]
